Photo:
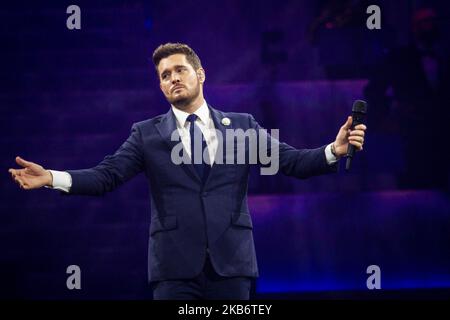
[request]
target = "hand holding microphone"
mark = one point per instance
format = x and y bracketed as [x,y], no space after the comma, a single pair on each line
[351,135]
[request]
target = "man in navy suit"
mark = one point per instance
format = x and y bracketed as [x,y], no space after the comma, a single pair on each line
[201,242]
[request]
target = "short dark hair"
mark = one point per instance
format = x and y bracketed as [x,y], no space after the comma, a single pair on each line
[168,49]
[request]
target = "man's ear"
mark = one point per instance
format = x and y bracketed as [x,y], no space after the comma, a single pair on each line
[201,75]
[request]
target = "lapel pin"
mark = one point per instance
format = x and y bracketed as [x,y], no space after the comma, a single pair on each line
[226,121]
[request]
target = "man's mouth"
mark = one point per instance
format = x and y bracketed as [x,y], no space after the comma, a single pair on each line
[177,87]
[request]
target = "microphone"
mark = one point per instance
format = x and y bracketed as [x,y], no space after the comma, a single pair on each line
[359,111]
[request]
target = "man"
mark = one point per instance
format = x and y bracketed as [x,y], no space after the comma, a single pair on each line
[201,242]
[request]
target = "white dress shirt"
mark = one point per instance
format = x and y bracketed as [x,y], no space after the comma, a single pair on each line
[63,181]
[206,125]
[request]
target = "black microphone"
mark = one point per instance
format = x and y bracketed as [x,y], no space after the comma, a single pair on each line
[359,111]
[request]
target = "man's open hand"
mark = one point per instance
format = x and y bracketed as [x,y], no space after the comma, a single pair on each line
[33,176]
[346,136]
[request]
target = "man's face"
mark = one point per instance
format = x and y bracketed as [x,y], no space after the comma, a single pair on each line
[179,82]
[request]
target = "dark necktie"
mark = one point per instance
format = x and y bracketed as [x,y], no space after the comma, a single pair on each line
[196,134]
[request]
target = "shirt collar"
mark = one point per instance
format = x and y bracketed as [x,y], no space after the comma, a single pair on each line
[202,113]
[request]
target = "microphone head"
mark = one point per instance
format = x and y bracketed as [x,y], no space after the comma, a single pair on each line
[359,106]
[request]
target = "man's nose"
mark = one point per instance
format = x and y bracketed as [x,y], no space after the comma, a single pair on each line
[175,78]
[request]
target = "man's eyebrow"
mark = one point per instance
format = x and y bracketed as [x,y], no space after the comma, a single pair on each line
[174,67]
[179,65]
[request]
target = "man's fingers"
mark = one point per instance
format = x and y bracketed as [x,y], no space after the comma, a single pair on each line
[22,183]
[361,127]
[356,138]
[360,133]
[16,176]
[358,129]
[15,172]
[18,181]
[348,123]
[23,162]
[357,144]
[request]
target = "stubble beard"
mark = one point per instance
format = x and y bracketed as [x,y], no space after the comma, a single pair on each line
[184,102]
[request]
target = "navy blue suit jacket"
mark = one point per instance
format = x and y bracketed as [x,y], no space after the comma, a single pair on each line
[190,218]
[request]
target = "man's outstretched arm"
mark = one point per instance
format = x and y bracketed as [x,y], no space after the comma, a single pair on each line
[304,163]
[114,170]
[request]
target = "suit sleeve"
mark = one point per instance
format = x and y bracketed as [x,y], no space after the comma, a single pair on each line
[113,171]
[299,163]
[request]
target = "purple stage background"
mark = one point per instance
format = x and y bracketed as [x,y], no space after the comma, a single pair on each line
[69,98]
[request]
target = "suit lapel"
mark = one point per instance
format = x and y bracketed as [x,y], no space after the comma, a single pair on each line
[217,117]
